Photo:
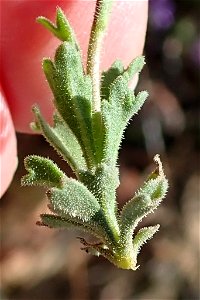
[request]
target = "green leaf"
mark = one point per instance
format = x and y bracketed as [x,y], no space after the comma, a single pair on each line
[55,221]
[116,113]
[143,235]
[43,172]
[103,186]
[146,200]
[133,212]
[156,185]
[62,139]
[134,68]
[62,29]
[73,95]
[117,69]
[98,134]
[74,200]
[108,77]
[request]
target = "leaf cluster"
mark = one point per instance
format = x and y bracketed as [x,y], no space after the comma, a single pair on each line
[89,142]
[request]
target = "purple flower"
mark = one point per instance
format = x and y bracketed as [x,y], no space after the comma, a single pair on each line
[161,13]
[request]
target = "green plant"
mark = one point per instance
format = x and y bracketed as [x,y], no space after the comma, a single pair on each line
[91,114]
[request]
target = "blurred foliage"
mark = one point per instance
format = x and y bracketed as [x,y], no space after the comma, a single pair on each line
[45,264]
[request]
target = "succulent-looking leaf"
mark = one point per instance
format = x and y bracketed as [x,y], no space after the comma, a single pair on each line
[62,139]
[43,172]
[75,200]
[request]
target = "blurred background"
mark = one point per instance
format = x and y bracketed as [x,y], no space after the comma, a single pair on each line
[39,263]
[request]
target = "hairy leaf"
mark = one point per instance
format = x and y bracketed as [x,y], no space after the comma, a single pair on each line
[156,185]
[143,235]
[42,171]
[75,200]
[116,113]
[63,140]
[62,29]
[103,185]
[54,221]
[89,122]
[108,77]
[133,212]
[134,68]
[73,95]
[145,201]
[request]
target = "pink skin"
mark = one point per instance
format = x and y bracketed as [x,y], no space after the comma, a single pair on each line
[25,43]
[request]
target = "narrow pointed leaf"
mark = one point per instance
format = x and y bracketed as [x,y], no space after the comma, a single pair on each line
[43,172]
[63,140]
[156,185]
[61,29]
[108,77]
[47,24]
[143,235]
[144,202]
[73,95]
[64,30]
[54,221]
[116,113]
[134,68]
[133,212]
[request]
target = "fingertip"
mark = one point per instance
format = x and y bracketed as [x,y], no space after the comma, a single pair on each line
[8,146]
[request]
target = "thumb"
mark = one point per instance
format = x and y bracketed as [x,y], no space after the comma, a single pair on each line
[8,146]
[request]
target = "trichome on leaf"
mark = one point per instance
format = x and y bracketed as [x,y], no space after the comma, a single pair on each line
[89,121]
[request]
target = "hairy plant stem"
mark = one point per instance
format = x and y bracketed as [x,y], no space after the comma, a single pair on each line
[99,25]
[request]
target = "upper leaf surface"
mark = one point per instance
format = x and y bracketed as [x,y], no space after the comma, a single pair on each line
[73,94]
[117,69]
[75,200]
[116,112]
[42,171]
[109,76]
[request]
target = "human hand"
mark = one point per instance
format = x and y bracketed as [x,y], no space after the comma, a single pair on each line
[25,43]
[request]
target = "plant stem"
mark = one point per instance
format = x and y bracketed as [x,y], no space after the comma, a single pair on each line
[99,25]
